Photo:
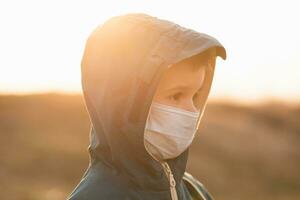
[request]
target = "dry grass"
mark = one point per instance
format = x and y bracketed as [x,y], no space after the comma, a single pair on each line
[242,152]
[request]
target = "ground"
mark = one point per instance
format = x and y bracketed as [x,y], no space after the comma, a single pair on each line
[241,152]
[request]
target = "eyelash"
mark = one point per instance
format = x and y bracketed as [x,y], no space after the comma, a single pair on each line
[176,96]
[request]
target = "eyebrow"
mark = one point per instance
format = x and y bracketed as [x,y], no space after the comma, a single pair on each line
[179,87]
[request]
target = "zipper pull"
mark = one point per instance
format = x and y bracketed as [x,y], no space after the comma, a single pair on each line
[171,178]
[171,181]
[170,175]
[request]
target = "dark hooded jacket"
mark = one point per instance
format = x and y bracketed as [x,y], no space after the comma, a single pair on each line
[123,62]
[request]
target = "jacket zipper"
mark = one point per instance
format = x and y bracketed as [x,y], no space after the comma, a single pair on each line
[170,176]
[172,181]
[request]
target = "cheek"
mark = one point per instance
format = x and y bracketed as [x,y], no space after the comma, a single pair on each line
[201,77]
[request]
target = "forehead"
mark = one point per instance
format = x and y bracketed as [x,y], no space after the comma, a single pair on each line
[190,71]
[183,75]
[193,63]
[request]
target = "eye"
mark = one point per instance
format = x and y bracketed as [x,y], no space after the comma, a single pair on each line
[175,96]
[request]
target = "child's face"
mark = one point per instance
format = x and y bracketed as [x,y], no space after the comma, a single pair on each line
[179,86]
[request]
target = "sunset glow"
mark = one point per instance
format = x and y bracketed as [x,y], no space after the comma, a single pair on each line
[42,43]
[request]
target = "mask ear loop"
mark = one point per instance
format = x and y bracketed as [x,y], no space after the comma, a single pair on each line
[201,115]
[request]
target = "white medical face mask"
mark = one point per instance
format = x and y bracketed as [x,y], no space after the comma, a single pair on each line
[169,130]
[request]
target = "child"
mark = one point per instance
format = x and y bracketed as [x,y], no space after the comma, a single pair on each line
[145,83]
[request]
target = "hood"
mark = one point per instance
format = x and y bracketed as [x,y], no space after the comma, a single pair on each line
[123,61]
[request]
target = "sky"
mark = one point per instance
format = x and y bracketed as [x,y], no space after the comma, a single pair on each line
[42,42]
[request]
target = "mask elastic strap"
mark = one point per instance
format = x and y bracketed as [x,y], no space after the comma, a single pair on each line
[201,115]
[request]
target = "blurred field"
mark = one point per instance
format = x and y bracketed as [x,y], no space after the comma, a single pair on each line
[243,152]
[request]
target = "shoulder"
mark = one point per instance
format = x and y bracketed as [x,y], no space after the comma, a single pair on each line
[197,190]
[96,184]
